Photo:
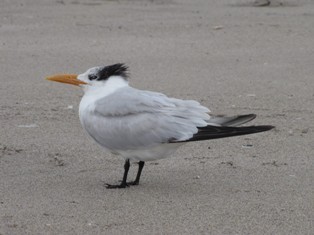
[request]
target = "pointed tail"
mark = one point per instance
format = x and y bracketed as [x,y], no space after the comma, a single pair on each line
[215,132]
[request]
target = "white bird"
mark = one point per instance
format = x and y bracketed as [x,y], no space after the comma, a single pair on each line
[144,125]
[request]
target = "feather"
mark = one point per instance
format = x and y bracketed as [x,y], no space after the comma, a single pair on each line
[215,132]
[230,121]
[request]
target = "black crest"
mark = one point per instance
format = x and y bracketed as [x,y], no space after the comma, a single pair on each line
[113,70]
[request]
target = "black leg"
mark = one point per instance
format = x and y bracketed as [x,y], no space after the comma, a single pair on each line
[125,176]
[139,172]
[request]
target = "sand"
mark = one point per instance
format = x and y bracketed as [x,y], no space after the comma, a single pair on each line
[229,55]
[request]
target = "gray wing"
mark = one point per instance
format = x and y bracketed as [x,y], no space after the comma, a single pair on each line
[131,118]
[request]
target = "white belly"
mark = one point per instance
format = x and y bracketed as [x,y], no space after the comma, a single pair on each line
[150,154]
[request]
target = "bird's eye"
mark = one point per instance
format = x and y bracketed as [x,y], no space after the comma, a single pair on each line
[92,77]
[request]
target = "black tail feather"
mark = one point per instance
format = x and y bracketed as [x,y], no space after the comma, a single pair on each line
[215,132]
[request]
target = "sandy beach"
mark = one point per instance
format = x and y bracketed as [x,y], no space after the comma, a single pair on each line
[231,56]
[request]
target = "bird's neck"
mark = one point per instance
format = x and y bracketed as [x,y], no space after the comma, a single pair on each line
[98,91]
[112,84]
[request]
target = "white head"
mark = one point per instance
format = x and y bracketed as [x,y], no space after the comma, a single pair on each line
[95,77]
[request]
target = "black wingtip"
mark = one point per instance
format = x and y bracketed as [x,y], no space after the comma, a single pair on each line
[251,115]
[241,119]
[215,132]
[265,128]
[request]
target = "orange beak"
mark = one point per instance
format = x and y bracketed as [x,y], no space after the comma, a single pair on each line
[66,78]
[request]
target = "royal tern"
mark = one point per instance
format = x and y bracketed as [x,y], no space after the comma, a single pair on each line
[144,125]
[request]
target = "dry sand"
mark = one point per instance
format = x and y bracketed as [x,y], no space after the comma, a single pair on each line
[231,56]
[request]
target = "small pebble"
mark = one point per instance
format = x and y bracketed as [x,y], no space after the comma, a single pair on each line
[247,146]
[304,131]
[217,27]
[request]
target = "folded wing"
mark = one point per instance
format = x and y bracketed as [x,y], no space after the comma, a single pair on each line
[131,119]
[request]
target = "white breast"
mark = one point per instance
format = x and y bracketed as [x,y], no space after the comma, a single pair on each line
[95,92]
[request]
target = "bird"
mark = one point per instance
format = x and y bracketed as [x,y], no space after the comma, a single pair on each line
[141,125]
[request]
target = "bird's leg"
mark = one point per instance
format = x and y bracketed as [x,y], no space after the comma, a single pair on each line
[125,176]
[139,172]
